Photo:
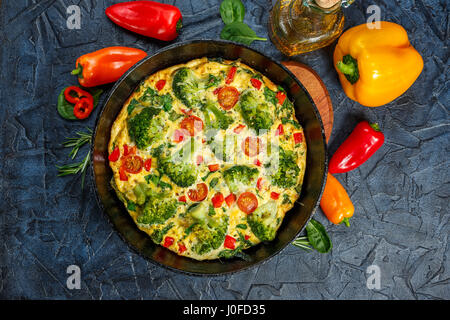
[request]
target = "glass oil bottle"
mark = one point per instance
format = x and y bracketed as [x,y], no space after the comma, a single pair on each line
[299,26]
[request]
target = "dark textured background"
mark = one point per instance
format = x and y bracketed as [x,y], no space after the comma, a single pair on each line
[401,194]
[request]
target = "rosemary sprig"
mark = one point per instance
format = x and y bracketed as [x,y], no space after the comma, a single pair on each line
[303,243]
[77,142]
[78,167]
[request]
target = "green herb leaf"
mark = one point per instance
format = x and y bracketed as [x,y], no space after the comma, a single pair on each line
[213,182]
[231,11]
[318,236]
[270,96]
[239,32]
[65,109]
[241,226]
[131,205]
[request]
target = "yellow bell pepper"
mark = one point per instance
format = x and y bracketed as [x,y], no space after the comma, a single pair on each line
[376,66]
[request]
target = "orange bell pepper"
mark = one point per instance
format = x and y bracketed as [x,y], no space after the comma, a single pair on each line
[375,66]
[336,203]
[106,65]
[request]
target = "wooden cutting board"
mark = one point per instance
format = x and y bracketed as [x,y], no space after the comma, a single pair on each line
[317,90]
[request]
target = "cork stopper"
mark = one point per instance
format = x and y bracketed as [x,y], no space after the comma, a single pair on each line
[326,4]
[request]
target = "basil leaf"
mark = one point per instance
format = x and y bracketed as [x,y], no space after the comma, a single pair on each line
[318,236]
[239,32]
[231,11]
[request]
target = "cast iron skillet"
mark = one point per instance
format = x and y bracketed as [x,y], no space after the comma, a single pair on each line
[306,112]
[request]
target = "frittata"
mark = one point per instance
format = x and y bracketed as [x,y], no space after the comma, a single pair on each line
[208,157]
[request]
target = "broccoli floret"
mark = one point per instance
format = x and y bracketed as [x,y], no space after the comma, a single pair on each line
[287,174]
[209,230]
[158,235]
[158,208]
[221,119]
[257,115]
[263,221]
[146,127]
[237,176]
[181,171]
[185,86]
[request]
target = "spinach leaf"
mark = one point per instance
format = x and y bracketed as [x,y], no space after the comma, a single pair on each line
[270,96]
[239,32]
[131,205]
[133,103]
[318,237]
[231,11]
[241,226]
[65,109]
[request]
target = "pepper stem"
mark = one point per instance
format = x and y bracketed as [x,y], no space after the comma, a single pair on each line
[375,126]
[349,67]
[346,221]
[179,25]
[78,71]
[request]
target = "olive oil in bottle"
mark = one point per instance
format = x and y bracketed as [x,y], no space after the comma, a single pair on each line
[299,26]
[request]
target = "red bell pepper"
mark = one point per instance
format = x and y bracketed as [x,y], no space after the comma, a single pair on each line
[360,145]
[148,18]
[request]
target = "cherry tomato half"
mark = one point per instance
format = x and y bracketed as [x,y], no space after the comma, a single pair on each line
[228,97]
[252,146]
[132,163]
[192,124]
[247,202]
[198,194]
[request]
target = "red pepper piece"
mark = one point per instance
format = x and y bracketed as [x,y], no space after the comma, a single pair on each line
[257,162]
[115,154]
[213,167]
[359,146]
[274,195]
[217,200]
[160,84]
[181,248]
[298,137]
[168,241]
[280,130]
[260,183]
[281,96]
[182,199]
[83,107]
[73,94]
[246,237]
[230,75]
[122,174]
[217,90]
[230,199]
[148,18]
[148,164]
[230,242]
[239,128]
[256,83]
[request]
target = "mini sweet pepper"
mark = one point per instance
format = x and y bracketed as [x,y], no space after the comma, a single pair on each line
[375,66]
[336,203]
